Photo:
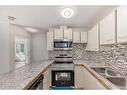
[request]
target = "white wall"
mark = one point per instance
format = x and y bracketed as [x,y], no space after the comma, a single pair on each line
[39,47]
[4,47]
[7,45]
[15,31]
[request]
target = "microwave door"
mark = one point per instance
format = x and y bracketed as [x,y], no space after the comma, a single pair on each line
[60,44]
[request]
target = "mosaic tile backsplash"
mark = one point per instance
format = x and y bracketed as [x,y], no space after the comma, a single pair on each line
[112,55]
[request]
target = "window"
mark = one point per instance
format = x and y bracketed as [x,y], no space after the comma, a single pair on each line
[20,48]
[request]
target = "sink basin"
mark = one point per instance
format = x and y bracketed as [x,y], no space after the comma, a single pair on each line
[106,71]
[118,81]
[99,69]
[112,75]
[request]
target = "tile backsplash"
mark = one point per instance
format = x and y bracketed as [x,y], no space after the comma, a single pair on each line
[77,52]
[115,56]
[112,55]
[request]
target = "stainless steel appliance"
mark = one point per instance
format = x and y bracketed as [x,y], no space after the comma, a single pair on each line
[62,78]
[63,71]
[63,44]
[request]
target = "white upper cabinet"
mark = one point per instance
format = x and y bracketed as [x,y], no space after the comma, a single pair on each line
[68,34]
[76,37]
[93,39]
[83,37]
[50,40]
[58,34]
[122,24]
[107,29]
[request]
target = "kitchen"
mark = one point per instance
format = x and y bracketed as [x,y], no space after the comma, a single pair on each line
[63,47]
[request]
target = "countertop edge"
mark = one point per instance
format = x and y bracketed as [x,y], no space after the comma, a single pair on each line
[34,79]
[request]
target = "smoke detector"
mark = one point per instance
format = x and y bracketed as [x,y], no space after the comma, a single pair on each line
[11,18]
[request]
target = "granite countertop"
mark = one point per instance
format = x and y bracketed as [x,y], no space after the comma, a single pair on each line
[89,63]
[20,77]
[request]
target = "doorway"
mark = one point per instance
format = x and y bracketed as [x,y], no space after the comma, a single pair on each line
[22,51]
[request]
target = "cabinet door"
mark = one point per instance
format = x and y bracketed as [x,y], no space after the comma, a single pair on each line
[93,39]
[107,29]
[90,82]
[83,37]
[76,37]
[47,79]
[79,78]
[58,34]
[85,80]
[122,24]
[50,40]
[68,34]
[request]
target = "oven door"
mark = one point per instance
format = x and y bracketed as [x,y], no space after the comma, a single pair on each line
[63,78]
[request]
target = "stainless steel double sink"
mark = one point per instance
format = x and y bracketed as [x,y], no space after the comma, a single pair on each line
[112,75]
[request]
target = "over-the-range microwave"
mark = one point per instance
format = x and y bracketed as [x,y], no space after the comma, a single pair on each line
[64,44]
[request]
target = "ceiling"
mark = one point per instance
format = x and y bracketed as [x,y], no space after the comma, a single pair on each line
[44,17]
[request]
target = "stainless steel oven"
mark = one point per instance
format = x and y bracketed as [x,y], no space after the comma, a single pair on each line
[63,44]
[63,71]
[62,78]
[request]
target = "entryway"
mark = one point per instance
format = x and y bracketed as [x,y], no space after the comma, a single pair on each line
[22,51]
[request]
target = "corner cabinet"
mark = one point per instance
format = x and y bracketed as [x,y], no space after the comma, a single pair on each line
[107,29]
[93,39]
[50,40]
[122,24]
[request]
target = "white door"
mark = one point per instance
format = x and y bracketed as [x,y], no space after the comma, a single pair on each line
[107,29]
[83,37]
[76,37]
[58,34]
[68,34]
[122,24]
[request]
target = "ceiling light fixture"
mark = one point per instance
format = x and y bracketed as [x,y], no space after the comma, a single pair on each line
[30,29]
[67,13]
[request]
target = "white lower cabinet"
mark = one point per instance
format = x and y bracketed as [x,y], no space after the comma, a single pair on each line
[79,77]
[47,79]
[85,80]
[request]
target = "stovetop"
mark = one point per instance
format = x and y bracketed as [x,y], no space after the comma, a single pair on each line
[63,62]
